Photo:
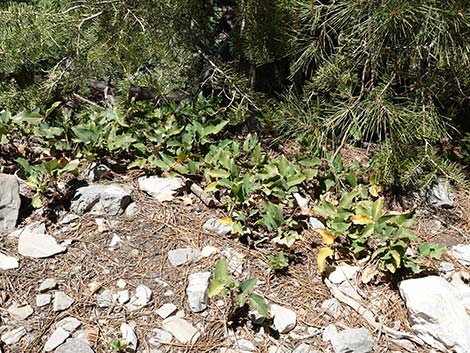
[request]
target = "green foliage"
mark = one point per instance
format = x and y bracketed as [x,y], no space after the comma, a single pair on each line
[278,261]
[370,232]
[118,346]
[223,283]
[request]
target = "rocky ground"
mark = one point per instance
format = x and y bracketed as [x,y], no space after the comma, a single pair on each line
[130,260]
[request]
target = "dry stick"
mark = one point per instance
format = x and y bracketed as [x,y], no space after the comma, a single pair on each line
[369,315]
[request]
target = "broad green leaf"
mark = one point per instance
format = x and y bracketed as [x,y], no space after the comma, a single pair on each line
[396,257]
[351,178]
[259,304]
[52,108]
[25,165]
[215,288]
[218,173]
[377,209]
[323,254]
[295,180]
[347,199]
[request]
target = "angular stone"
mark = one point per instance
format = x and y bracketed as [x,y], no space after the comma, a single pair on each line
[437,316]
[122,297]
[62,301]
[166,310]
[215,226]
[352,341]
[329,332]
[47,284]
[315,223]
[69,218]
[461,253]
[69,324]
[160,336]
[332,306]
[101,199]
[56,339]
[74,345]
[141,298]
[38,245]
[208,251]
[20,313]
[105,299]
[284,319]
[439,194]
[343,273]
[14,336]
[178,257]
[163,189]
[9,203]
[181,329]
[43,300]
[303,348]
[129,336]
[8,262]
[197,291]
[244,345]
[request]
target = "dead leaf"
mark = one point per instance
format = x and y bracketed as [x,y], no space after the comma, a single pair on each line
[327,237]
[368,274]
[323,254]
[361,219]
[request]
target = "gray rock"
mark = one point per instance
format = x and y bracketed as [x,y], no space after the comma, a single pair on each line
[20,313]
[43,300]
[69,324]
[99,199]
[343,273]
[332,306]
[9,203]
[105,299]
[215,226]
[447,269]
[284,319]
[303,348]
[178,257]
[62,301]
[166,310]
[47,284]
[197,291]
[38,245]
[461,253]
[436,314]
[129,336]
[140,299]
[159,337]
[14,336]
[439,194]
[8,262]
[181,329]
[74,345]
[132,210]
[315,223]
[69,218]
[56,339]
[122,297]
[163,189]
[244,345]
[235,261]
[328,333]
[352,341]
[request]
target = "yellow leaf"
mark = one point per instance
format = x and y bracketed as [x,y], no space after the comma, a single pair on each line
[323,254]
[36,202]
[226,220]
[361,219]
[328,237]
[374,190]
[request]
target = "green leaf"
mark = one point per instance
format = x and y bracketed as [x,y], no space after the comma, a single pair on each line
[351,178]
[259,304]
[36,201]
[377,209]
[295,179]
[52,108]
[218,173]
[347,199]
[25,165]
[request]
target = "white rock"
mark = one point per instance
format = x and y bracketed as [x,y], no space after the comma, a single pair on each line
[62,301]
[140,299]
[315,223]
[461,253]
[284,319]
[303,348]
[47,284]
[462,292]
[105,299]
[208,251]
[436,314]
[14,336]
[115,241]
[160,336]
[20,313]
[129,336]
[343,273]
[74,345]
[181,329]
[215,226]
[439,195]
[122,297]
[56,339]
[101,199]
[197,291]
[352,341]
[69,218]
[235,261]
[166,310]
[120,283]
[328,333]
[244,345]
[8,262]
[332,306]
[447,269]
[132,210]
[163,189]
[9,202]
[178,257]
[43,300]
[38,245]
[69,324]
